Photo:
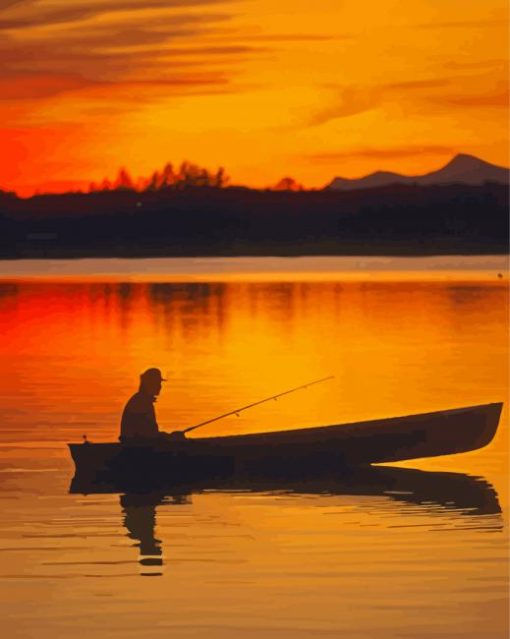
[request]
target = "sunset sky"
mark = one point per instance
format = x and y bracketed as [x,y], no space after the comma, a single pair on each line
[265,88]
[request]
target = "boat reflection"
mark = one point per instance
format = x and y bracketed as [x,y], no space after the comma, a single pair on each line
[467,494]
[437,493]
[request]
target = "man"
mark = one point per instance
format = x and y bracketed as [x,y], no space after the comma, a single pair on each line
[139,417]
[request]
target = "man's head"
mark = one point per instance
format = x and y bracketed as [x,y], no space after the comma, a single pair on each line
[150,381]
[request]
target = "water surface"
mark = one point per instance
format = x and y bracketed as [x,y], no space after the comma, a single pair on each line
[421,554]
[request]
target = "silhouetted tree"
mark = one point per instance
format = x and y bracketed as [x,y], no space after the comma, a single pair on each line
[154,182]
[168,176]
[123,182]
[287,184]
[191,175]
[221,179]
[188,175]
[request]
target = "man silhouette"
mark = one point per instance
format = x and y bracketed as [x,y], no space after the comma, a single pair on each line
[139,417]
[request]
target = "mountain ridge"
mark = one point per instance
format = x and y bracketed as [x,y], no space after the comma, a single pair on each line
[461,169]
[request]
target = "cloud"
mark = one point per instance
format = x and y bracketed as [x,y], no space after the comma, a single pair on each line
[141,46]
[118,63]
[464,91]
[35,86]
[383,153]
[31,13]
[478,64]
[349,101]
[290,37]
[30,86]
[492,99]
[51,48]
[418,85]
[353,100]
[463,24]
[424,95]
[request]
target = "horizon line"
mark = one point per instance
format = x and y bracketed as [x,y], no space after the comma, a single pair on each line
[141,184]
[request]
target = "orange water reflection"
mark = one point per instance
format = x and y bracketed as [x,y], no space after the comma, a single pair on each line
[70,356]
[267,332]
[71,353]
[395,348]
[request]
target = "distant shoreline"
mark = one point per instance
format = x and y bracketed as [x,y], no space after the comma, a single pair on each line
[46,247]
[404,220]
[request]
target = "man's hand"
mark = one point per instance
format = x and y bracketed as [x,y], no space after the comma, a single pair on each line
[176,435]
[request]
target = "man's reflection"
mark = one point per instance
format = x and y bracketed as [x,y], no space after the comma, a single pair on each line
[140,521]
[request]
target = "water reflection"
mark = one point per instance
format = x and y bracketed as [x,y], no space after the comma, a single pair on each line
[139,512]
[417,541]
[140,520]
[464,495]
[438,495]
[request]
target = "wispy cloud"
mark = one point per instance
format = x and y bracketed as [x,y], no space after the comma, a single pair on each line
[34,86]
[53,47]
[418,85]
[152,43]
[390,153]
[294,37]
[473,65]
[495,98]
[427,94]
[30,13]
[464,24]
[348,101]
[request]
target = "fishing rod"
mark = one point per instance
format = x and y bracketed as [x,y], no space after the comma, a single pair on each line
[261,401]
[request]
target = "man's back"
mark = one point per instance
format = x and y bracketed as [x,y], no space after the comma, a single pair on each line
[139,418]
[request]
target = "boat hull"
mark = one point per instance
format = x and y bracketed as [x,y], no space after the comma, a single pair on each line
[303,451]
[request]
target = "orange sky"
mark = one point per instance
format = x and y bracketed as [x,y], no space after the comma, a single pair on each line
[264,88]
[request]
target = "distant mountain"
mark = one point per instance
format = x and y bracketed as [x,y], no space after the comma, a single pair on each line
[462,169]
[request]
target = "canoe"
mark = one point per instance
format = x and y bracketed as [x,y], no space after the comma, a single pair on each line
[303,451]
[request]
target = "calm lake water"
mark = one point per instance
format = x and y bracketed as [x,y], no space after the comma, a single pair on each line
[427,559]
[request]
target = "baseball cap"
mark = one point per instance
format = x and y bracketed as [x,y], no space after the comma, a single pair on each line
[153,373]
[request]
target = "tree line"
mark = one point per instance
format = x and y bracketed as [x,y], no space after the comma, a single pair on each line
[187,175]
[397,220]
